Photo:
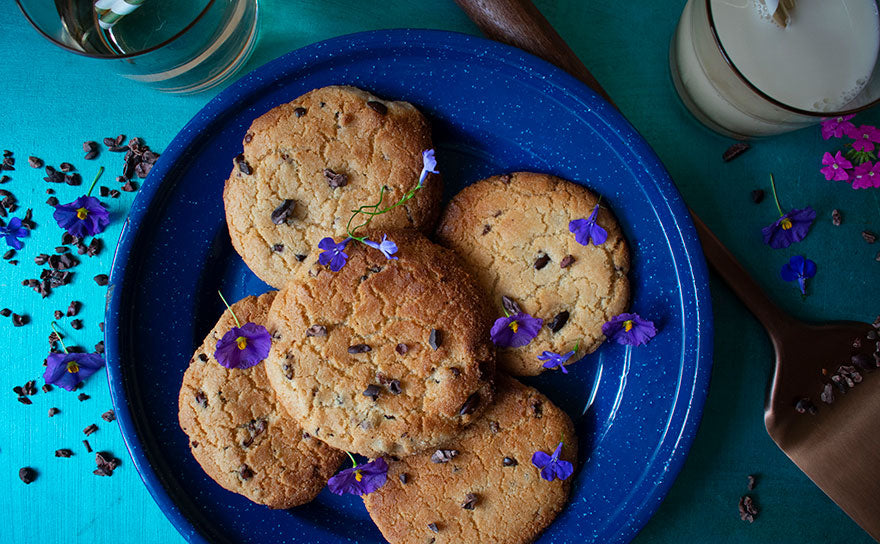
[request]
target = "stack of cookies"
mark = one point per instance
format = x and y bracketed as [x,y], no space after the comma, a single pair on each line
[389,351]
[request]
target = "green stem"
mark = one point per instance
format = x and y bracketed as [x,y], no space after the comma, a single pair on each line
[97,177]
[775,198]
[237,322]
[58,334]
[354,463]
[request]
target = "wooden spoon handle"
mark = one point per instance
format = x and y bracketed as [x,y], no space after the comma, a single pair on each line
[519,23]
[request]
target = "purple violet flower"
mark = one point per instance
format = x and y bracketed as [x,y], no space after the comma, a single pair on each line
[13,231]
[555,360]
[864,137]
[386,246]
[429,164]
[835,167]
[360,480]
[243,347]
[866,175]
[836,126]
[552,467]
[629,329]
[83,217]
[586,229]
[516,330]
[333,254]
[67,370]
[799,268]
[790,228]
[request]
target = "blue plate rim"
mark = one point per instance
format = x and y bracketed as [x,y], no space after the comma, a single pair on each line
[264,76]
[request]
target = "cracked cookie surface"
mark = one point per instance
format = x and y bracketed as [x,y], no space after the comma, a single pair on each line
[384,357]
[512,234]
[308,163]
[238,432]
[488,490]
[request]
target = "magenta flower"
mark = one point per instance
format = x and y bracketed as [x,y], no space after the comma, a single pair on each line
[515,331]
[333,254]
[586,230]
[67,370]
[13,231]
[555,360]
[836,126]
[360,480]
[429,164]
[799,269]
[83,217]
[866,175]
[243,347]
[552,467]
[629,329]
[386,246]
[865,137]
[835,167]
[790,228]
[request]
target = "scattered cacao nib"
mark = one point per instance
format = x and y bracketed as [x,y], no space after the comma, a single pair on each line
[378,107]
[335,180]
[109,416]
[41,259]
[299,112]
[53,411]
[90,429]
[35,162]
[836,218]
[470,405]
[82,396]
[735,151]
[9,254]
[435,340]
[316,330]
[757,196]
[243,165]
[114,193]
[566,261]
[64,452]
[5,312]
[509,462]
[52,201]
[102,279]
[404,477]
[752,481]
[877,257]
[73,179]
[104,191]
[109,141]
[95,247]
[541,261]
[24,400]
[443,456]
[4,179]
[76,324]
[8,162]
[359,348]
[101,326]
[869,236]
[27,474]
[558,321]
[401,349]
[66,167]
[283,212]
[73,308]
[142,172]
[20,320]
[30,388]
[46,388]
[245,472]
[470,501]
[372,391]
[87,445]
[748,510]
[805,406]
[91,150]
[106,464]
[510,305]
[827,395]
[433,528]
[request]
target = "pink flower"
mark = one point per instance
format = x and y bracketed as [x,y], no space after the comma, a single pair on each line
[865,137]
[866,175]
[835,167]
[836,126]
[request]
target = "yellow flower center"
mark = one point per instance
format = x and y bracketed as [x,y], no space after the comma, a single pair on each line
[72,367]
[627,325]
[358,476]
[241,342]
[514,326]
[786,224]
[82,213]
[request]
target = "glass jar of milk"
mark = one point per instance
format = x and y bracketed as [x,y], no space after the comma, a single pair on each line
[742,75]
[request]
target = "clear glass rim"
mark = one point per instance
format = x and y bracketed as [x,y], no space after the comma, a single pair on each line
[124,56]
[764,95]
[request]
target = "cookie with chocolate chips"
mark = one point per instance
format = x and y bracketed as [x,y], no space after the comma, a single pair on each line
[512,233]
[489,491]
[383,357]
[307,164]
[238,432]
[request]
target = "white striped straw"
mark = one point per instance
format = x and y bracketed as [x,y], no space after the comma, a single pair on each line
[111,11]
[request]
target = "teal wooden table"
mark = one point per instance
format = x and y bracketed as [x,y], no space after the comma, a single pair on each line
[51,101]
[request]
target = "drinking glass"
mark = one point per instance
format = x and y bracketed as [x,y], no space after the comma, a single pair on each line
[175,46]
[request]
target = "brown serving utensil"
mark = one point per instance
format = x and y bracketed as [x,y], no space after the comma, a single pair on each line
[838,447]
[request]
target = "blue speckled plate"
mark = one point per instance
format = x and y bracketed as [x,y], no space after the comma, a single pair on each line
[494,109]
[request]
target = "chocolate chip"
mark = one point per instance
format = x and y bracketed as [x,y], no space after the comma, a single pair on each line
[203,358]
[245,472]
[486,229]
[82,396]
[243,165]
[509,462]
[317,330]
[470,501]
[64,452]
[470,405]
[283,212]
[27,474]
[102,279]
[404,477]
[109,416]
[558,321]
[359,348]
[378,107]
[372,391]
[804,406]
[87,446]
[53,411]
[537,408]
[836,218]
[248,137]
[435,339]
[201,399]
[401,349]
[748,510]
[542,261]
[566,261]
[288,371]
[278,248]
[869,236]
[504,178]
[90,429]
[494,427]
[757,196]
[443,456]
[510,305]
[433,528]
[300,257]
[735,151]
[335,180]
[299,112]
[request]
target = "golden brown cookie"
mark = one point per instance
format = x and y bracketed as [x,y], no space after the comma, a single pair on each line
[240,435]
[482,487]
[384,357]
[308,163]
[512,233]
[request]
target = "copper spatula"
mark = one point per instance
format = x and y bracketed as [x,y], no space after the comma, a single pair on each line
[838,446]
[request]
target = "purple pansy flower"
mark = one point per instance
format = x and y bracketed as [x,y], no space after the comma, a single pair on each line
[836,126]
[865,137]
[866,175]
[790,228]
[386,246]
[629,329]
[13,231]
[243,347]
[360,479]
[83,217]
[835,166]
[586,229]
[555,360]
[67,370]
[516,330]
[552,467]
[799,268]
[429,164]
[333,254]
